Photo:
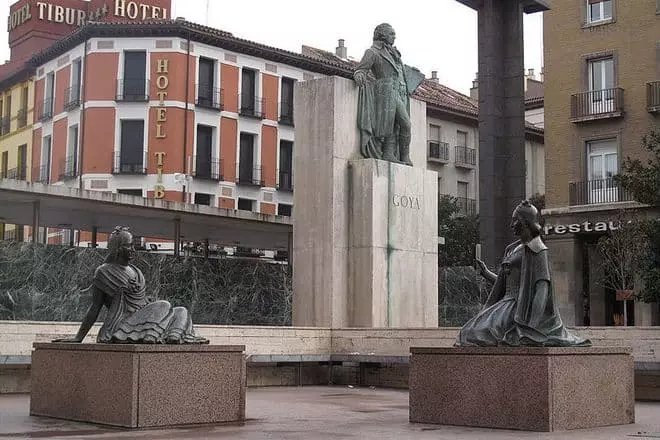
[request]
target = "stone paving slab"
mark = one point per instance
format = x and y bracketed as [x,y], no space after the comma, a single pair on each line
[299,413]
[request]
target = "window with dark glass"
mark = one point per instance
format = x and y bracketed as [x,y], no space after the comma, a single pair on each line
[131,155]
[5,164]
[71,162]
[6,120]
[203,159]
[130,192]
[47,108]
[206,83]
[246,159]
[286,165]
[134,87]
[44,170]
[248,90]
[72,97]
[22,112]
[22,162]
[286,110]
[284,209]
[203,199]
[245,204]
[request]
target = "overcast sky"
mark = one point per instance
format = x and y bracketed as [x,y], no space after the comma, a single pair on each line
[431,34]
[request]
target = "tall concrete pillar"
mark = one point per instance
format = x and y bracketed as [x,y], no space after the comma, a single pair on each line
[501,117]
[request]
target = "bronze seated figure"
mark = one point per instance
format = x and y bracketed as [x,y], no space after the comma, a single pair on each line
[521,308]
[131,317]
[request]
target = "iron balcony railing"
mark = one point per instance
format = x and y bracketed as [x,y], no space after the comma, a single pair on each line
[128,166]
[209,97]
[207,168]
[286,113]
[72,97]
[68,168]
[132,90]
[285,180]
[18,173]
[41,174]
[45,109]
[653,96]
[438,151]
[597,191]
[252,106]
[466,206]
[5,125]
[597,104]
[249,176]
[21,117]
[465,156]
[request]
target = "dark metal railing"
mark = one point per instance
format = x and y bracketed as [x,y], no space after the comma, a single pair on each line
[41,174]
[134,90]
[18,173]
[72,97]
[438,150]
[68,168]
[653,96]
[285,180]
[466,206]
[5,125]
[209,96]
[123,166]
[249,176]
[45,109]
[595,104]
[286,113]
[21,117]
[598,191]
[207,168]
[465,155]
[252,106]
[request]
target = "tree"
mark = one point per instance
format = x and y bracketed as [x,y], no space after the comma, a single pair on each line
[461,233]
[642,181]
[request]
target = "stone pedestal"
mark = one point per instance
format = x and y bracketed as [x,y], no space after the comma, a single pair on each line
[533,389]
[393,258]
[336,186]
[139,386]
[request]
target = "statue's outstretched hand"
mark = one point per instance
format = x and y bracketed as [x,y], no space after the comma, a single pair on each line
[482,269]
[74,339]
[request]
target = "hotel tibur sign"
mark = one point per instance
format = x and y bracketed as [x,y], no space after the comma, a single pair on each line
[50,20]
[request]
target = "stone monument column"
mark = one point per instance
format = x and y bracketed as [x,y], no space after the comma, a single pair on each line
[501,117]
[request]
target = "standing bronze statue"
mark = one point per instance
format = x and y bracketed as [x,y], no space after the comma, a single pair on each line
[384,104]
[521,308]
[131,318]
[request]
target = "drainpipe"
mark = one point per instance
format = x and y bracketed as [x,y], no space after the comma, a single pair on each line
[185,122]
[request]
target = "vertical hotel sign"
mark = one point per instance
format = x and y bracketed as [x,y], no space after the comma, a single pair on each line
[162,83]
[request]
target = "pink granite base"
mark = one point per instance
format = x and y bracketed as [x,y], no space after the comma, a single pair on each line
[139,386]
[532,389]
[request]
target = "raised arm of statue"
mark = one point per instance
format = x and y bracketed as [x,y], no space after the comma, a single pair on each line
[483,270]
[89,319]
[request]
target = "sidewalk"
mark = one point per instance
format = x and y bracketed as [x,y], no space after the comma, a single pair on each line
[312,413]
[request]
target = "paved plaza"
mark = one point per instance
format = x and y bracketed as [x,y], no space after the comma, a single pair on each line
[312,413]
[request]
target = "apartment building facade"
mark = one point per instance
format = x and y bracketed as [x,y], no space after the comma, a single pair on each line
[602,64]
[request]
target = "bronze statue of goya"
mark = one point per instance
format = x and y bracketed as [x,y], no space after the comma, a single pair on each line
[384,103]
[131,317]
[521,309]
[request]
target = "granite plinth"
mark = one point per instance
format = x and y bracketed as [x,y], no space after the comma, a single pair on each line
[139,386]
[532,388]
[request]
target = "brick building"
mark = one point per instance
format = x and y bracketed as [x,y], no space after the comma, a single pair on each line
[602,64]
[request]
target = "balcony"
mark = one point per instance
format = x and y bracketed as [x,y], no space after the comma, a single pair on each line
[286,113]
[21,117]
[41,174]
[653,97]
[5,125]
[68,168]
[72,97]
[252,107]
[207,168]
[438,151]
[599,191]
[465,157]
[125,166]
[45,110]
[466,206]
[209,97]
[132,90]
[597,104]
[249,176]
[285,180]
[18,173]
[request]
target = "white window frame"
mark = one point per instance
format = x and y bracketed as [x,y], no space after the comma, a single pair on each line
[601,8]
